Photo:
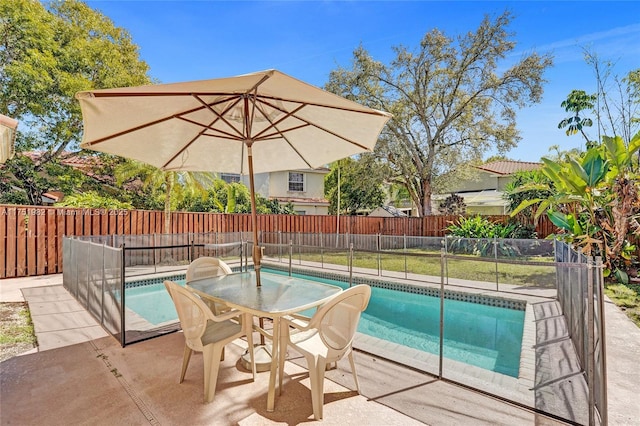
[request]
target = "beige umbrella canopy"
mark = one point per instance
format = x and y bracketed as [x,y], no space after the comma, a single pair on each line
[221,125]
[8,128]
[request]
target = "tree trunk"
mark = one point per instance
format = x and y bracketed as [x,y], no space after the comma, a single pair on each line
[426,200]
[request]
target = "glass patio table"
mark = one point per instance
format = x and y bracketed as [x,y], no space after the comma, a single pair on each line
[279,295]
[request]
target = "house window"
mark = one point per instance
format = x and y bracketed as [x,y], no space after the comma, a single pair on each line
[230,177]
[296,182]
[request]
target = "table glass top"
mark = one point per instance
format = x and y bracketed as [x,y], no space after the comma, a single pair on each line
[278,294]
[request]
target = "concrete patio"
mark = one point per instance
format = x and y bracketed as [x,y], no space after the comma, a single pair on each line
[79,375]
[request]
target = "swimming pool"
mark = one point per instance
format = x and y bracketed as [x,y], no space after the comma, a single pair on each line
[481,335]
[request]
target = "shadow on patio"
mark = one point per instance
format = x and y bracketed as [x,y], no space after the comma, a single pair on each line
[80,377]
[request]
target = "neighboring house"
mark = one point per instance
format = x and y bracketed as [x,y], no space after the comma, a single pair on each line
[484,193]
[302,188]
[51,197]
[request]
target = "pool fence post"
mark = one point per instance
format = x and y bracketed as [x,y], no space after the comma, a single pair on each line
[441,353]
[350,264]
[290,255]
[240,250]
[590,342]
[378,248]
[280,246]
[155,260]
[192,248]
[495,254]
[604,411]
[245,253]
[122,288]
[321,250]
[404,249]
[102,285]
[446,264]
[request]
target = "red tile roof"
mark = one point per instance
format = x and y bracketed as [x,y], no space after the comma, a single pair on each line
[508,167]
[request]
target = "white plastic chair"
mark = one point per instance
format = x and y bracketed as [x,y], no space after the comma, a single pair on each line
[207,333]
[326,338]
[205,267]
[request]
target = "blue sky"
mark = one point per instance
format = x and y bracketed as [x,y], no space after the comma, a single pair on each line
[195,40]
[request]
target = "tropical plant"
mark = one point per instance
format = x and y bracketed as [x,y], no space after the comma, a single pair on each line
[480,227]
[514,194]
[477,235]
[172,186]
[595,202]
[92,200]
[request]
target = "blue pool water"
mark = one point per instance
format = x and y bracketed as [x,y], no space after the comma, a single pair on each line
[152,302]
[485,336]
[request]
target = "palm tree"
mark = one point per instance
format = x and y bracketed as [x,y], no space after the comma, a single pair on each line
[174,184]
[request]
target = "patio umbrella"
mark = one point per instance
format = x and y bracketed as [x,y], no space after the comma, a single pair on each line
[8,128]
[221,125]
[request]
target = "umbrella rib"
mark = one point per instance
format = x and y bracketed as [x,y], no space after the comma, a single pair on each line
[275,123]
[204,127]
[369,111]
[140,127]
[217,132]
[308,123]
[220,116]
[181,150]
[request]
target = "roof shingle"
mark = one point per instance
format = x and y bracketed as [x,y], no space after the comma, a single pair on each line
[508,167]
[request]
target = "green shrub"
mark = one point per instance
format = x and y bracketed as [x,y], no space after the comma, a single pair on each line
[475,235]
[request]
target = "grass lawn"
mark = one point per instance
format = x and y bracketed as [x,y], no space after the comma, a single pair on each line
[467,269]
[16,330]
[627,297]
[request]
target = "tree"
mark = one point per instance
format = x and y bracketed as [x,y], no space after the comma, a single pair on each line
[576,102]
[48,52]
[453,204]
[36,180]
[360,185]
[618,99]
[449,102]
[173,186]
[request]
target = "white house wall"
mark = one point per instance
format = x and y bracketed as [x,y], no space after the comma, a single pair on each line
[483,181]
[276,185]
[260,181]
[313,184]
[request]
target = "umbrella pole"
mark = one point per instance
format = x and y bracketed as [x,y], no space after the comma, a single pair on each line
[257,250]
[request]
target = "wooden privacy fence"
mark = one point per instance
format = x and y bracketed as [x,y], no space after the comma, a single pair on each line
[31,236]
